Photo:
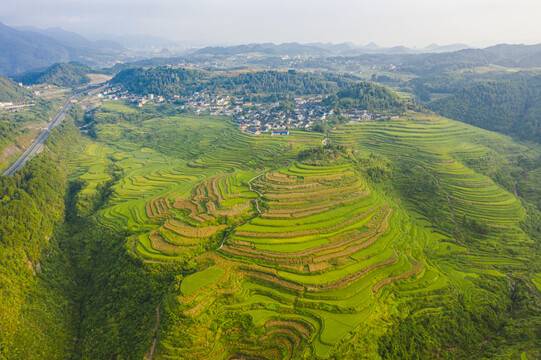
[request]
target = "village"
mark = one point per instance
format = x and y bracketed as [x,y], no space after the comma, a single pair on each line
[253,118]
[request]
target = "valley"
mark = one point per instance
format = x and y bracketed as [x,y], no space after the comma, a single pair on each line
[270,202]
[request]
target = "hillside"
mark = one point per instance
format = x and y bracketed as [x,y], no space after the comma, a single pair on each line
[396,230]
[12,92]
[512,108]
[163,81]
[523,55]
[168,81]
[37,310]
[367,96]
[180,231]
[60,74]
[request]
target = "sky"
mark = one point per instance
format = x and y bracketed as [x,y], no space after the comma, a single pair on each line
[413,23]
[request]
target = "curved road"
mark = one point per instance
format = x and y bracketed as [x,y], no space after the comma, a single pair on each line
[37,145]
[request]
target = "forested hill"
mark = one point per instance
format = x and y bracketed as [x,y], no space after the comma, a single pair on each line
[12,92]
[59,74]
[366,96]
[167,81]
[512,108]
[164,81]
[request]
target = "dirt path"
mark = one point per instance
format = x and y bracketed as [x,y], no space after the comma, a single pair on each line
[257,192]
[150,354]
[223,241]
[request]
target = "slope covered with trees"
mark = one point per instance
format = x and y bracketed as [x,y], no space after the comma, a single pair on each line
[36,308]
[367,96]
[164,81]
[512,108]
[168,81]
[12,92]
[59,74]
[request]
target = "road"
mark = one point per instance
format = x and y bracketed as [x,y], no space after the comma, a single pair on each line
[37,145]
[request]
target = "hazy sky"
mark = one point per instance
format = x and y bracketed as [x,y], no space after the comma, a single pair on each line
[385,22]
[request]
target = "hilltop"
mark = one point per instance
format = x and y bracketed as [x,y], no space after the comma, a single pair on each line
[60,74]
[169,81]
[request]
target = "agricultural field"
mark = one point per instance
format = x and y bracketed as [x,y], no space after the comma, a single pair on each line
[290,257]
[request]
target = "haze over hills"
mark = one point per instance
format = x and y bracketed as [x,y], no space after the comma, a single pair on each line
[24,50]
[136,41]
[39,48]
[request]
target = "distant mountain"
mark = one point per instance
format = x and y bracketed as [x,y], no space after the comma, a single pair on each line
[60,74]
[66,37]
[435,48]
[136,41]
[12,92]
[334,48]
[530,61]
[373,48]
[430,64]
[286,49]
[514,51]
[75,40]
[24,50]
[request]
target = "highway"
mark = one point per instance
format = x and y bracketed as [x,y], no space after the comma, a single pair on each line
[37,145]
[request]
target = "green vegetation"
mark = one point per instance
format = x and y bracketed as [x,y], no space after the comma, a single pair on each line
[184,238]
[12,92]
[270,85]
[511,108]
[282,247]
[367,96]
[164,81]
[37,310]
[18,129]
[59,74]
[201,279]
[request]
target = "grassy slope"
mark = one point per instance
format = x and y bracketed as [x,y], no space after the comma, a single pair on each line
[465,230]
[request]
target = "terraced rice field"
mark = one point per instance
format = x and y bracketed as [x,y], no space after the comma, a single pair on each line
[292,259]
[442,148]
[313,265]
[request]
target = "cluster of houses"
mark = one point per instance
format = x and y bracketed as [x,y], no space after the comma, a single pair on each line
[252,118]
[277,120]
[273,118]
[117,93]
[216,105]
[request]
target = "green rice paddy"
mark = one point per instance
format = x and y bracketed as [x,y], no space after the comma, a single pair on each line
[305,254]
